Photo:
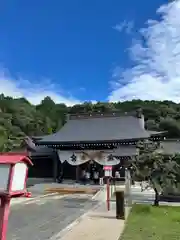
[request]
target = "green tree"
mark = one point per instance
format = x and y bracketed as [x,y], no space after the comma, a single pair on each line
[152,125]
[19,118]
[157,170]
[170,125]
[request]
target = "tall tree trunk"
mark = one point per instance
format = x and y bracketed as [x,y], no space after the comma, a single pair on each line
[156,200]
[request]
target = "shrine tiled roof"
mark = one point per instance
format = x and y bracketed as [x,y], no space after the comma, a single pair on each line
[36,150]
[98,128]
[170,146]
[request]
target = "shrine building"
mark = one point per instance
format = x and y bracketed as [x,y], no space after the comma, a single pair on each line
[89,140]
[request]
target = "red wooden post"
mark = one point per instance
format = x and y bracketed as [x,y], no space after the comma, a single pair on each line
[4,215]
[108,194]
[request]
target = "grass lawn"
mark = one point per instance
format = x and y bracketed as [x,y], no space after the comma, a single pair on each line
[146,222]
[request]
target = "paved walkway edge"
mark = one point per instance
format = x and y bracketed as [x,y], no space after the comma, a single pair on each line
[32,199]
[77,221]
[23,200]
[97,196]
[73,229]
[98,193]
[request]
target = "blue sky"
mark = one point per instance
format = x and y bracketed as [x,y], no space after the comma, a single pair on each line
[82,50]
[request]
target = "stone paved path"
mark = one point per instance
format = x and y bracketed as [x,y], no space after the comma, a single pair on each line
[98,224]
[42,219]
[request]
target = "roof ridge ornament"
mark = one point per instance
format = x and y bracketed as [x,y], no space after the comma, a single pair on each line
[100,115]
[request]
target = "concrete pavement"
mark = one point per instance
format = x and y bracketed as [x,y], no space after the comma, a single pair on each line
[39,191]
[70,217]
[40,220]
[97,224]
[41,188]
[22,200]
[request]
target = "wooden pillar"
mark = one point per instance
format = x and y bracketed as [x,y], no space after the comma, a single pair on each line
[62,169]
[55,166]
[77,173]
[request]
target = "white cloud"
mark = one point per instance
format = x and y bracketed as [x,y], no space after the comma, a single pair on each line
[156,71]
[33,92]
[126,26]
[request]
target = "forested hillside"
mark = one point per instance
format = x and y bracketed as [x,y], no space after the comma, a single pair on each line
[19,118]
